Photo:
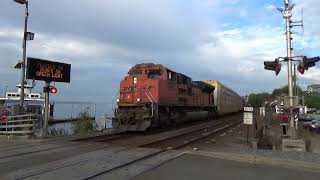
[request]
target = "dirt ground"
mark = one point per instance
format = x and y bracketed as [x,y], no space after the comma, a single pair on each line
[235,139]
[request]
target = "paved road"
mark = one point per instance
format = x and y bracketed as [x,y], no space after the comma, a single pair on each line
[198,167]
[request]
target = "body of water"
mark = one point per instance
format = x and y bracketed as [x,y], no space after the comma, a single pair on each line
[64,110]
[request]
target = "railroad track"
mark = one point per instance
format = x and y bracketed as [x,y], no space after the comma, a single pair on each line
[102,137]
[157,139]
[187,138]
[173,143]
[133,138]
[162,144]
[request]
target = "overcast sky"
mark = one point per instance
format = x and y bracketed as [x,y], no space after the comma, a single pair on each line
[204,39]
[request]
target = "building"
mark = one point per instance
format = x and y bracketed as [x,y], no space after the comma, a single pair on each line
[313,88]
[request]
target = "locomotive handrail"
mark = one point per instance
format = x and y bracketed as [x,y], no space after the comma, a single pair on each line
[152,96]
[151,103]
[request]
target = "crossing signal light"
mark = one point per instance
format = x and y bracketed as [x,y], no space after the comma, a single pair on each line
[309,62]
[53,90]
[273,66]
[300,68]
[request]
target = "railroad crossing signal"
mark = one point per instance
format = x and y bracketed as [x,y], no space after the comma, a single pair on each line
[306,63]
[50,89]
[300,68]
[53,90]
[273,66]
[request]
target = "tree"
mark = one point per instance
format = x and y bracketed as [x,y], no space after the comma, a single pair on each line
[284,91]
[257,100]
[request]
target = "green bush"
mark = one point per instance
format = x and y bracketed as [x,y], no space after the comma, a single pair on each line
[83,125]
[312,100]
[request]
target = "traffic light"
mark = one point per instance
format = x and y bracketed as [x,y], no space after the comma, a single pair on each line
[273,66]
[53,90]
[306,63]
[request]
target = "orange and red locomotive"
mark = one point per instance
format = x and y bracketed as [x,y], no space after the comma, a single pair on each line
[153,95]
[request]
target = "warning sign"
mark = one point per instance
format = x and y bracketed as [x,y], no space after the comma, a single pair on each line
[248,118]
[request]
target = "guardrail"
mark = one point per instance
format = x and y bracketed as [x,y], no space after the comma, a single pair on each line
[21,125]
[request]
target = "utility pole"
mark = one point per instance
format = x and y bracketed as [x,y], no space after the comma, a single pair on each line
[295,84]
[287,14]
[24,48]
[291,100]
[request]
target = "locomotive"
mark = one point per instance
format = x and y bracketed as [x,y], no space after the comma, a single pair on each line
[154,95]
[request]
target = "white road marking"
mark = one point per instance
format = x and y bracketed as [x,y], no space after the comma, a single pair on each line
[223,134]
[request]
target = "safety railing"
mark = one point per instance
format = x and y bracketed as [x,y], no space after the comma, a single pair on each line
[21,125]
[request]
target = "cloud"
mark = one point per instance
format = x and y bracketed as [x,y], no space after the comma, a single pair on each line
[312,74]
[224,40]
[270,7]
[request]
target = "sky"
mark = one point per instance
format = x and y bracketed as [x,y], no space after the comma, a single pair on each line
[204,39]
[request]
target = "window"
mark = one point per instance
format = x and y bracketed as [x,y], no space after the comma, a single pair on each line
[171,76]
[154,72]
[136,71]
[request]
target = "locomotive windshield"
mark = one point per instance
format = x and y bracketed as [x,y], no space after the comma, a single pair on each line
[136,71]
[154,72]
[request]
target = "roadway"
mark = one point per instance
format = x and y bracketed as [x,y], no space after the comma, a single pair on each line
[193,166]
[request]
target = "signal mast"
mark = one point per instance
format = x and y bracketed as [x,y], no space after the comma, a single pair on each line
[304,64]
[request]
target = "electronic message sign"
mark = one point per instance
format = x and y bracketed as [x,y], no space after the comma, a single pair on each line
[49,71]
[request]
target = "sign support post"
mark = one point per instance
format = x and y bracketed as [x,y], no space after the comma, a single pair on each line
[247,134]
[46,108]
[248,119]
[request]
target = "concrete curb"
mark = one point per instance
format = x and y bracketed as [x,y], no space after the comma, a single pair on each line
[256,159]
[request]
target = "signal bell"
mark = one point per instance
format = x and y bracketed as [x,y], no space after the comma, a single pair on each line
[53,90]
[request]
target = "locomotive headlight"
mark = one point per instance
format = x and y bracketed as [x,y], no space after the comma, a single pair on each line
[118,100]
[138,99]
